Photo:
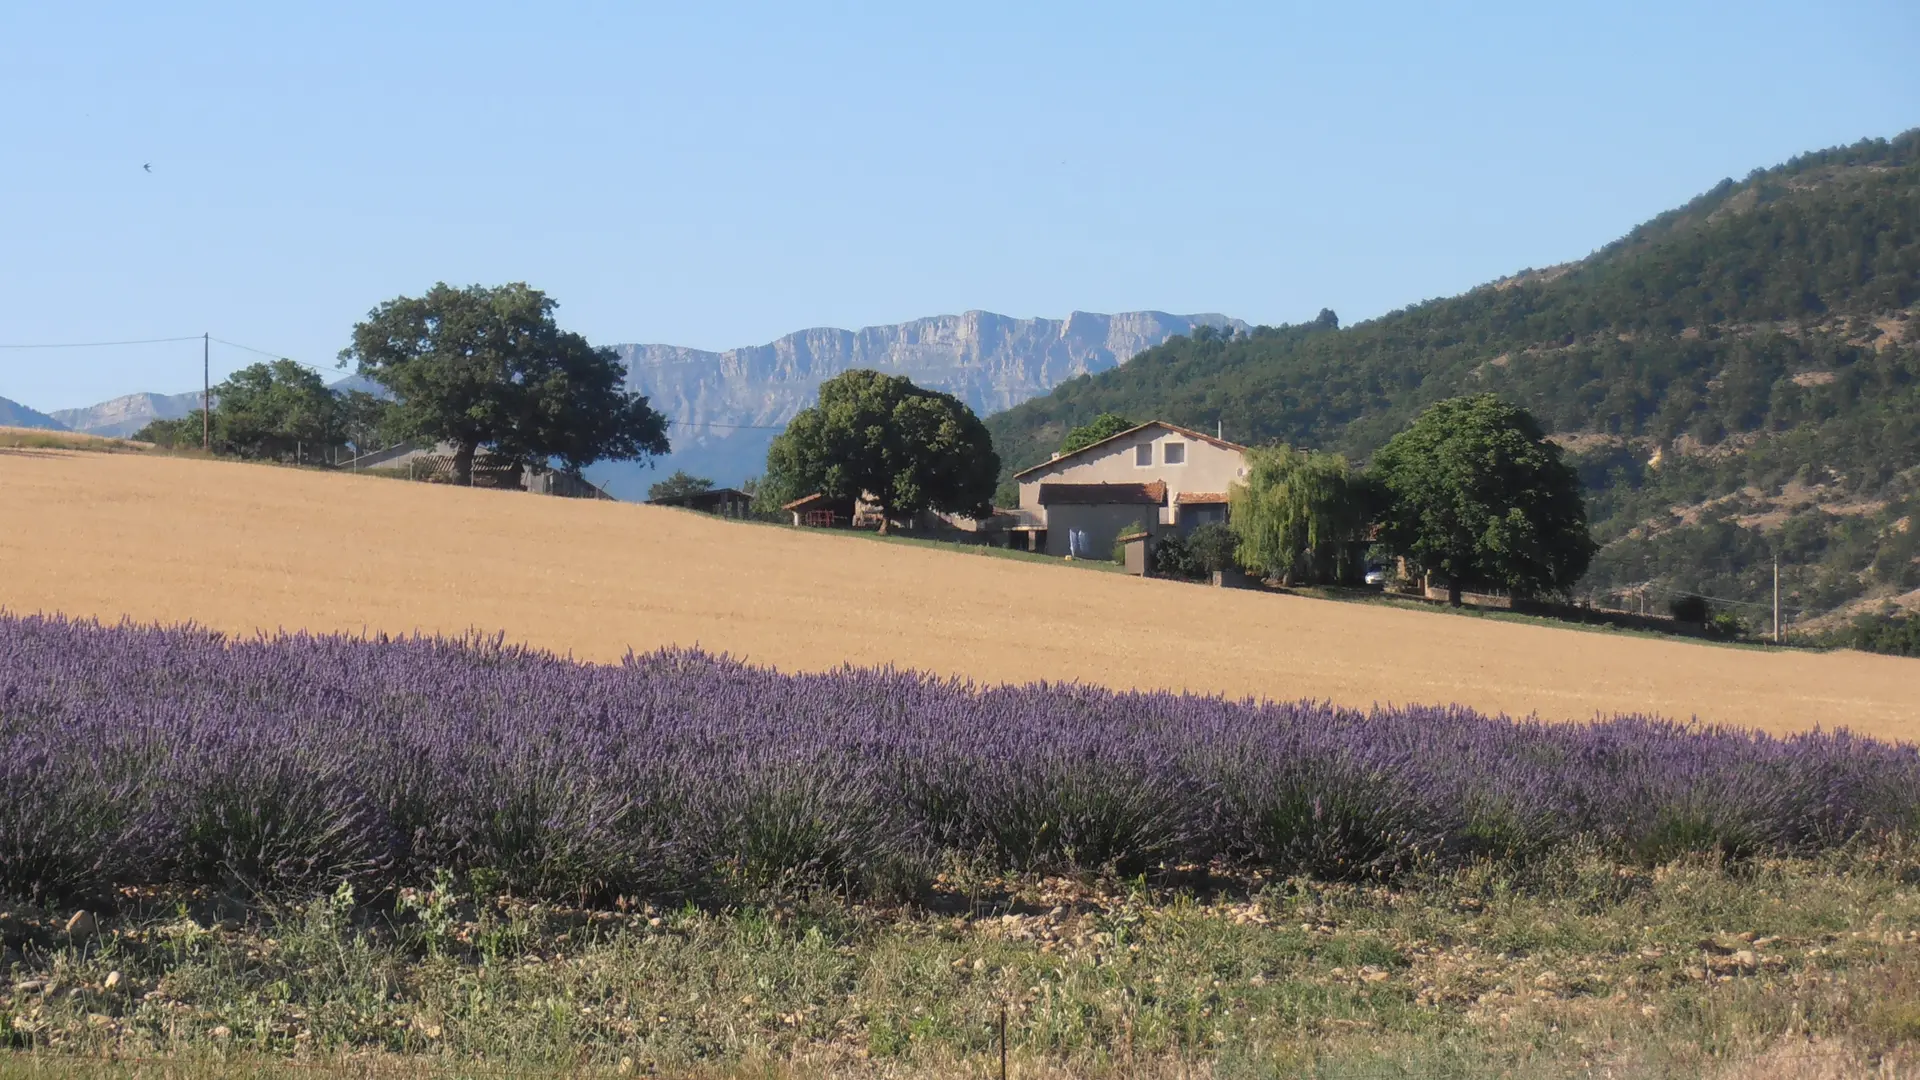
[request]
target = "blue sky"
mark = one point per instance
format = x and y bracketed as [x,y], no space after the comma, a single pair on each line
[719,174]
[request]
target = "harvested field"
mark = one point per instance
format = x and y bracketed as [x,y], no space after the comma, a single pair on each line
[244,547]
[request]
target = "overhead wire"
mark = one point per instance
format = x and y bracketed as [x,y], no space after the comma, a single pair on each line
[102,344]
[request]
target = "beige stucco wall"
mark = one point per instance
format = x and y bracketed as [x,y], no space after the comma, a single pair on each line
[1103,525]
[1207,468]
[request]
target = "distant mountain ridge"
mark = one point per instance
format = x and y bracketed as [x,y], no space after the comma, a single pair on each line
[127,414]
[14,414]
[728,406]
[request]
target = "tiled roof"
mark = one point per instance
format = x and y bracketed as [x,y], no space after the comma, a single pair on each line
[1200,498]
[1198,436]
[1153,494]
[815,499]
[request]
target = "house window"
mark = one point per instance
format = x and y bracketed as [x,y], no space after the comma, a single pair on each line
[1143,455]
[1176,453]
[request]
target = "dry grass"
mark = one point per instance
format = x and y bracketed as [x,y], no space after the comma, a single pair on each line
[30,439]
[246,547]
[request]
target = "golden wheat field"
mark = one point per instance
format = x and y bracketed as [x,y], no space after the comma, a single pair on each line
[248,547]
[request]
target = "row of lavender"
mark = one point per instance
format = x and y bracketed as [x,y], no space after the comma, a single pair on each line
[136,755]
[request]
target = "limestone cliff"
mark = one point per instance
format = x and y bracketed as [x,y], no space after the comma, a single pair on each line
[727,406]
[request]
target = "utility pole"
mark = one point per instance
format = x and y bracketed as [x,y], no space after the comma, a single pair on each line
[1776,599]
[206,391]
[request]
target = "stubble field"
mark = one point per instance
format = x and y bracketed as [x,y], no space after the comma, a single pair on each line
[243,548]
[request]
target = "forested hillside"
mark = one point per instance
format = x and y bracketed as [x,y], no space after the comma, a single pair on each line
[1736,379]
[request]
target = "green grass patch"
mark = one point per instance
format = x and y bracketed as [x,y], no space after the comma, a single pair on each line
[1569,968]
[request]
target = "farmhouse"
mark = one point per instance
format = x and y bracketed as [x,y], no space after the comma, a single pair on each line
[724,502]
[434,462]
[830,511]
[1156,477]
[822,511]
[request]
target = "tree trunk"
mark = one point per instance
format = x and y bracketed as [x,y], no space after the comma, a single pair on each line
[1453,591]
[463,464]
[883,523]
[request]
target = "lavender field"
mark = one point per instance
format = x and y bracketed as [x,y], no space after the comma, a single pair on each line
[149,756]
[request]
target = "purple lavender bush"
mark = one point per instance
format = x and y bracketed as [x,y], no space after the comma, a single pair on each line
[134,755]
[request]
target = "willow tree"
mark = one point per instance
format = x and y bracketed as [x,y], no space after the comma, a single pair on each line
[1300,516]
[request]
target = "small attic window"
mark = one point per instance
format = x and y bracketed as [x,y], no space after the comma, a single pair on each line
[1176,453]
[1143,455]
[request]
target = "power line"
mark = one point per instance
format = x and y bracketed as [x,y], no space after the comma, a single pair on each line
[730,427]
[315,368]
[104,344]
[1715,599]
[262,352]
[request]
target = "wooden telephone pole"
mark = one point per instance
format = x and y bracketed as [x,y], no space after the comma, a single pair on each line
[206,391]
[1776,599]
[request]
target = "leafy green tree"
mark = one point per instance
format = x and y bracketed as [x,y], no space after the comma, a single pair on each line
[1476,492]
[880,436]
[680,483]
[275,410]
[1299,515]
[1104,426]
[489,367]
[768,497]
[178,434]
[367,422]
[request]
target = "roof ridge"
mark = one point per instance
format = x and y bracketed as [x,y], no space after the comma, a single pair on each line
[1188,432]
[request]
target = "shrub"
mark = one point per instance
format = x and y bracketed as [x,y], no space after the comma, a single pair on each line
[1212,549]
[1727,625]
[1892,634]
[1173,557]
[1689,609]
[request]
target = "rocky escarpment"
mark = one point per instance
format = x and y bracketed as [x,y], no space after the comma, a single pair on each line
[125,415]
[727,406]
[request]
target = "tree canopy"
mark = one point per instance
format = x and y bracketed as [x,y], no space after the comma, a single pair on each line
[273,410]
[1299,516]
[1474,491]
[880,436]
[490,367]
[680,483]
[278,410]
[1102,427]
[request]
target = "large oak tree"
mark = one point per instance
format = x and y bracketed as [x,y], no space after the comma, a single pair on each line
[489,367]
[1475,491]
[881,437]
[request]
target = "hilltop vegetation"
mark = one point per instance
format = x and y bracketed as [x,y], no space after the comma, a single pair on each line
[1736,379]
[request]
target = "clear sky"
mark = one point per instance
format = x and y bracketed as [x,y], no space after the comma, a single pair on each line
[718,174]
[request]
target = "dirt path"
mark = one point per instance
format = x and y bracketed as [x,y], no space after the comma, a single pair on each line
[246,547]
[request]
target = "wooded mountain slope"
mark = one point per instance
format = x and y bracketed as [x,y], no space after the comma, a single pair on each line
[1736,379]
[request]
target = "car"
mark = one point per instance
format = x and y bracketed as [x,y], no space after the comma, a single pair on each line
[1376,575]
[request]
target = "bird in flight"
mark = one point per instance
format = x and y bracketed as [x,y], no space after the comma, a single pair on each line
[147,167]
